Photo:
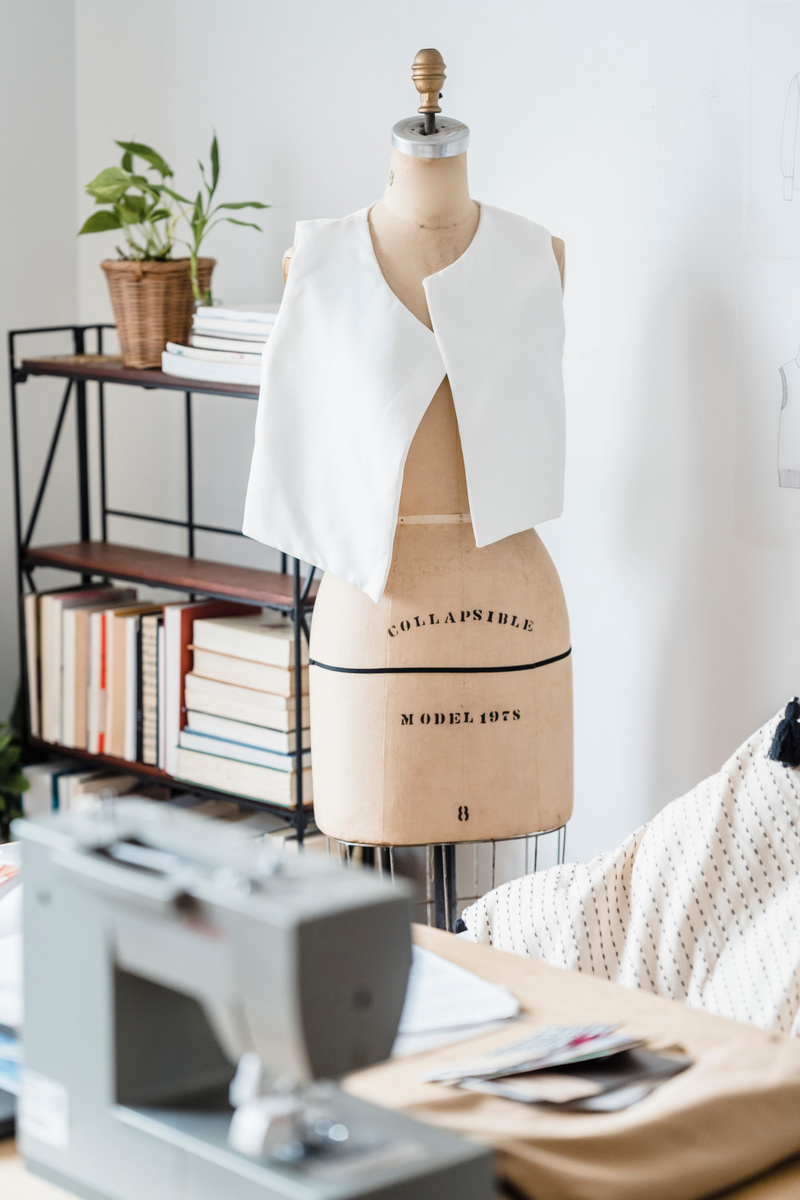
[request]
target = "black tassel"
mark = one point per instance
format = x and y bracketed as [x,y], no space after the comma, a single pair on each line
[785,746]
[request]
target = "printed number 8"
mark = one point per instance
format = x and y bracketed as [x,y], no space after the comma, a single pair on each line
[463,812]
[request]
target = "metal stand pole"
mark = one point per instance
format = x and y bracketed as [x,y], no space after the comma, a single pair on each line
[189,476]
[297,622]
[84,515]
[23,673]
[444,886]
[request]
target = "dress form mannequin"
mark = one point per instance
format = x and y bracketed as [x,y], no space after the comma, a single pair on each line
[413,756]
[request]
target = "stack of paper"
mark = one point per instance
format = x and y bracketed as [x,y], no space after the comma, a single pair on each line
[445,1003]
[590,1068]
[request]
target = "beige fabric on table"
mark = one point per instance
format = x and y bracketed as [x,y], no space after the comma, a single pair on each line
[731,1116]
[702,904]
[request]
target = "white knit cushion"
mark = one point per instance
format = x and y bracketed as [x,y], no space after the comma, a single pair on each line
[702,904]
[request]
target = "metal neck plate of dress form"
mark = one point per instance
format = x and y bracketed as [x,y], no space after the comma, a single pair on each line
[451,137]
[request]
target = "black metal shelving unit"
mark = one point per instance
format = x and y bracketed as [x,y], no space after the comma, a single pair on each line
[287,591]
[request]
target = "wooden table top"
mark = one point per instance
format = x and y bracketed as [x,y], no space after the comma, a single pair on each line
[783,1183]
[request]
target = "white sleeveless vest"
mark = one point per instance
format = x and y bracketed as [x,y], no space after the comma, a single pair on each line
[349,372]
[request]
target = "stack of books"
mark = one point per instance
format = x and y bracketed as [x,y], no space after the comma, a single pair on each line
[225,345]
[68,785]
[203,690]
[240,733]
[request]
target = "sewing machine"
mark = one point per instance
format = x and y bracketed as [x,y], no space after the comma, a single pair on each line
[189,998]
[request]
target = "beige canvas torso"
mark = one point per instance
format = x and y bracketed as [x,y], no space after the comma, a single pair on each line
[415,738]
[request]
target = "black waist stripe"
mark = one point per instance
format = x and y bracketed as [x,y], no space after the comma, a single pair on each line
[545,662]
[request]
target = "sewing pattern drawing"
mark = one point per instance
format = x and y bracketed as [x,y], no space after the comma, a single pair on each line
[789,426]
[790,151]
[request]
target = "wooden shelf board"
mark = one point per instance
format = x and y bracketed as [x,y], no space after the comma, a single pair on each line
[220,580]
[104,368]
[155,775]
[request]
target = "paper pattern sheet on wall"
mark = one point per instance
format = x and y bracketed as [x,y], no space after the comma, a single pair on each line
[789,426]
[768,377]
[768,424]
[772,162]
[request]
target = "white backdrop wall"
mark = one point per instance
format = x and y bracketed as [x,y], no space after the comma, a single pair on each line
[38,267]
[620,127]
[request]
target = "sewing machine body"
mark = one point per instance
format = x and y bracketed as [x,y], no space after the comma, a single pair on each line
[159,949]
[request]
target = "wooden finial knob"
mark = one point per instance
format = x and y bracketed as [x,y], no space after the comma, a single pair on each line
[428,75]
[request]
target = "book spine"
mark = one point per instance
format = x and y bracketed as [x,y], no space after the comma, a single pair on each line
[138,751]
[161,702]
[31,617]
[101,737]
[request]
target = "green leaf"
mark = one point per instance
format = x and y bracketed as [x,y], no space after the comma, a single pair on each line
[197,211]
[15,785]
[146,185]
[132,208]
[126,162]
[245,224]
[159,214]
[214,163]
[109,185]
[245,204]
[175,195]
[149,155]
[98,222]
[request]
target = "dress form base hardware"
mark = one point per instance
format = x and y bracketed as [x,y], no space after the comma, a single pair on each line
[450,881]
[451,138]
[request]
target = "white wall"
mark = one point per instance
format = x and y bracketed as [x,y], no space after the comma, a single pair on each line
[38,264]
[620,127]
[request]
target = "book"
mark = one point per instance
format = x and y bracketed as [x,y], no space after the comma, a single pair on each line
[244,673]
[243,704]
[30,608]
[81,790]
[204,743]
[280,741]
[100,682]
[95,702]
[260,637]
[241,343]
[76,676]
[121,670]
[210,372]
[148,748]
[136,754]
[242,779]
[31,618]
[42,793]
[215,355]
[162,697]
[256,341]
[75,685]
[260,313]
[51,608]
[178,620]
[228,326]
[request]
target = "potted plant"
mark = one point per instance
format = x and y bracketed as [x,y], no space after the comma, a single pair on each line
[12,782]
[152,293]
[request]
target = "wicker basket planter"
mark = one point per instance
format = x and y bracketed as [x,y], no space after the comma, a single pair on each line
[153,304]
